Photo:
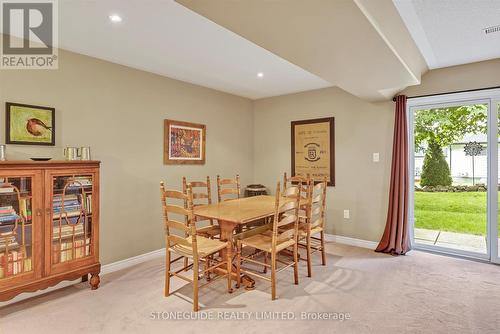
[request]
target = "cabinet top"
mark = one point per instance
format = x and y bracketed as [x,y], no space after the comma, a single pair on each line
[50,163]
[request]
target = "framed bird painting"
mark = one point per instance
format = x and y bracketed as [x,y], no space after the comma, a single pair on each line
[29,125]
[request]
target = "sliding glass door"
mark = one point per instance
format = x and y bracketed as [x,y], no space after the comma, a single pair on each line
[454,168]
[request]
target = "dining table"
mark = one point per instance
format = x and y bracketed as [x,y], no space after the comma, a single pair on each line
[238,212]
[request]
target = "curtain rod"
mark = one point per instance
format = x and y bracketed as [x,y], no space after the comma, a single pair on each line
[447,93]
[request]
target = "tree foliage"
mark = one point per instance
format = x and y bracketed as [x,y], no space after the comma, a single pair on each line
[444,126]
[435,171]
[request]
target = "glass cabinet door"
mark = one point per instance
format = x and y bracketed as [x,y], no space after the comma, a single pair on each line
[71,223]
[17,242]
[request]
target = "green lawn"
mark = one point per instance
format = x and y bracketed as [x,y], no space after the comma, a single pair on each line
[463,212]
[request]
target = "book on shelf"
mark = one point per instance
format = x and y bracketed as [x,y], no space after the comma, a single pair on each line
[8,240]
[87,202]
[63,251]
[67,214]
[5,188]
[67,231]
[25,208]
[72,205]
[81,181]
[7,213]
[14,263]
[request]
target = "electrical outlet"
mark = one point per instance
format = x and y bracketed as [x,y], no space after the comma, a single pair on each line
[346,214]
[376,157]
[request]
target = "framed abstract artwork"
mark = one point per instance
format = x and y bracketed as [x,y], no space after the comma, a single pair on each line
[313,148]
[29,125]
[184,143]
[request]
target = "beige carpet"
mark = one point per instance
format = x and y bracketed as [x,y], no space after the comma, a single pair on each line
[417,293]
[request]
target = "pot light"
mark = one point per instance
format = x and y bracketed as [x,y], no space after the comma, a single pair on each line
[260,74]
[115,18]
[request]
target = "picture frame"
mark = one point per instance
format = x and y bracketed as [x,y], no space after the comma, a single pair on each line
[184,143]
[27,124]
[313,148]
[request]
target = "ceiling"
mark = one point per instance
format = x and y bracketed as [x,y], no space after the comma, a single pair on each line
[450,34]
[372,49]
[362,46]
[163,37]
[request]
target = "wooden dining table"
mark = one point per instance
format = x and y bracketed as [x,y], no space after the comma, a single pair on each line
[238,212]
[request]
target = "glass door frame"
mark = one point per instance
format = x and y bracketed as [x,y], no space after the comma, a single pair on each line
[490,97]
[494,137]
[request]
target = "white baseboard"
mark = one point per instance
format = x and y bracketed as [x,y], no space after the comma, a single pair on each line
[131,261]
[105,269]
[351,241]
[126,263]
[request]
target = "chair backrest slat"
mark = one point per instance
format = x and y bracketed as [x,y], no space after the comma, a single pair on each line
[304,180]
[175,194]
[177,209]
[177,225]
[288,219]
[317,222]
[198,184]
[177,240]
[229,191]
[199,195]
[286,235]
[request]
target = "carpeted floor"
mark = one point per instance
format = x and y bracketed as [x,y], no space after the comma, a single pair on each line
[417,293]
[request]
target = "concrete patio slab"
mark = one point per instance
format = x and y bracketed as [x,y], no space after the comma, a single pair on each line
[426,236]
[469,242]
[459,241]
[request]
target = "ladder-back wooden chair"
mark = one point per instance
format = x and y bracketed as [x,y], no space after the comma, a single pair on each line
[314,224]
[202,195]
[283,234]
[188,244]
[228,187]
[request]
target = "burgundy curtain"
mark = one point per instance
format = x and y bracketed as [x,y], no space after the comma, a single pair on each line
[396,239]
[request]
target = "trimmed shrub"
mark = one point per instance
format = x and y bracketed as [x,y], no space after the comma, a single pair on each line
[435,171]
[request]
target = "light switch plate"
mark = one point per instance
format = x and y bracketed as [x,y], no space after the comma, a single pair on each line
[346,214]
[376,157]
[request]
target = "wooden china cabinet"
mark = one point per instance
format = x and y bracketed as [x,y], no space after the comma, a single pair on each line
[49,224]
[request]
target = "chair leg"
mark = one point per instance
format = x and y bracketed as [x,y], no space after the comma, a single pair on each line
[238,265]
[207,265]
[229,269]
[273,276]
[167,274]
[195,284]
[308,248]
[265,261]
[296,263]
[323,254]
[186,262]
[230,263]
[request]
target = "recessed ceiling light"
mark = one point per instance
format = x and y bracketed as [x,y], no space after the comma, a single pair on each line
[115,18]
[260,74]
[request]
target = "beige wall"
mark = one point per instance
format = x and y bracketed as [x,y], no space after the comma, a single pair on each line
[119,112]
[361,128]
[483,74]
